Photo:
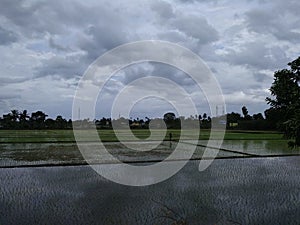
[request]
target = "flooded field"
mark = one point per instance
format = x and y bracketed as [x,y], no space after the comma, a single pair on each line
[16,154]
[45,180]
[231,191]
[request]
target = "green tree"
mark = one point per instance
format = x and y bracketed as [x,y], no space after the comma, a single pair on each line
[258,116]
[285,90]
[246,113]
[169,116]
[61,123]
[23,118]
[14,115]
[37,119]
[233,119]
[170,120]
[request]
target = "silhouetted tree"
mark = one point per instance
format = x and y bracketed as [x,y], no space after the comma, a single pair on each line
[246,113]
[23,118]
[37,119]
[199,117]
[233,119]
[14,115]
[258,116]
[8,122]
[169,116]
[285,90]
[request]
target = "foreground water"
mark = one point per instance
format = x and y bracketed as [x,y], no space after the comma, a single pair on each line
[230,191]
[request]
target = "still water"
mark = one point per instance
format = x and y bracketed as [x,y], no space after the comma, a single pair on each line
[231,191]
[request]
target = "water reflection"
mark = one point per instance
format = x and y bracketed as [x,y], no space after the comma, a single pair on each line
[260,147]
[233,191]
[12,154]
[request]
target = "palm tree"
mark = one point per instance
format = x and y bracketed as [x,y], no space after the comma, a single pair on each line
[23,116]
[14,115]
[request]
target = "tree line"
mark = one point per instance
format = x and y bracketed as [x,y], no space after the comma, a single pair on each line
[37,120]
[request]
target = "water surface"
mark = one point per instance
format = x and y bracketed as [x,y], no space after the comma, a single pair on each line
[231,191]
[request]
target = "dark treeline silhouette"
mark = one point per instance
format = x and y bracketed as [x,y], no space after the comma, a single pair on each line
[39,120]
[251,122]
[169,120]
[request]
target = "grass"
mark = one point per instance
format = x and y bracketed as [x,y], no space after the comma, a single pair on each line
[49,136]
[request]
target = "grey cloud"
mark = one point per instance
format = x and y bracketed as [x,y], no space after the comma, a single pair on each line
[163,9]
[58,47]
[173,74]
[37,18]
[31,17]
[261,77]
[196,27]
[198,1]
[7,36]
[129,74]
[258,55]
[158,70]
[9,80]
[275,23]
[6,96]
[98,29]
[133,72]
[179,26]
[71,34]
[100,38]
[64,66]
[172,35]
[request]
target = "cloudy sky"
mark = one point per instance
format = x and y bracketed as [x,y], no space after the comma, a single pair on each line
[45,47]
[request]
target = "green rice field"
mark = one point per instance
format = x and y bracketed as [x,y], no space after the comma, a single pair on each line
[48,136]
[57,147]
